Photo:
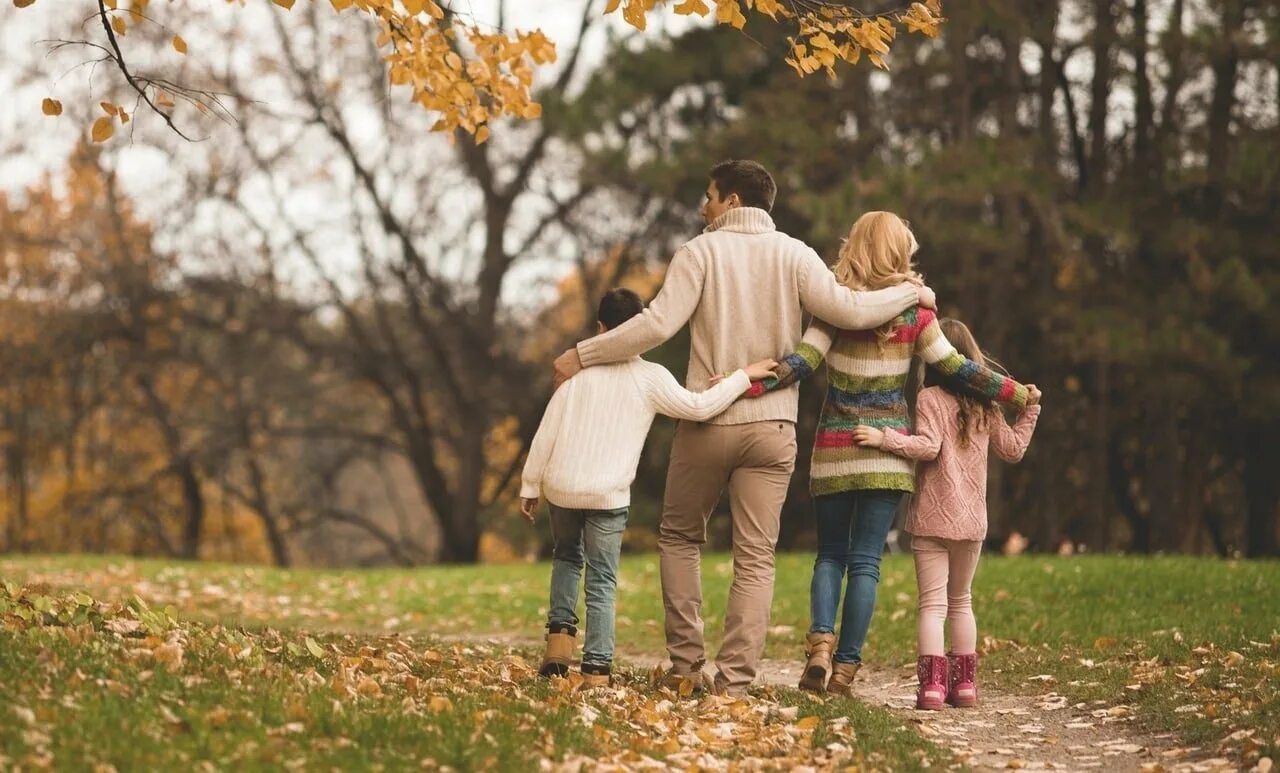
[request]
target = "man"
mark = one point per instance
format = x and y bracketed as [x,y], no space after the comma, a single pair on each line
[742,286]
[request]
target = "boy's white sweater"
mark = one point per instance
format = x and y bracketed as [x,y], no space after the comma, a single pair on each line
[587,448]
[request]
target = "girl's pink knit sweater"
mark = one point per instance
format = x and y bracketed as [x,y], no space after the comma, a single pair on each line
[951,481]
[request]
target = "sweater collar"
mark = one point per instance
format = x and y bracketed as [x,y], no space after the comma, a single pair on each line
[747,220]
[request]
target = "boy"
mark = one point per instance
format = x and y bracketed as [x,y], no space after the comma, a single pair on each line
[583,460]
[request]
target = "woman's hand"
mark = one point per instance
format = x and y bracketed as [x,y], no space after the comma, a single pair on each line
[529,507]
[759,371]
[868,437]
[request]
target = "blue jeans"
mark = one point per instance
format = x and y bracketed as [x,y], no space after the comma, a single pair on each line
[852,529]
[596,537]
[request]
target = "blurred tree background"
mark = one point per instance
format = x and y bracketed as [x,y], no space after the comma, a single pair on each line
[324,336]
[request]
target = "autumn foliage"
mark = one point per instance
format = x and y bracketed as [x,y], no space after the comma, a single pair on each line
[470,74]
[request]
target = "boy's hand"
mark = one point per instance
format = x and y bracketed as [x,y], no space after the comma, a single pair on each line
[529,507]
[868,437]
[759,371]
[1033,395]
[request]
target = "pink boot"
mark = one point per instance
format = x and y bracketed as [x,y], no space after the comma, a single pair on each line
[963,685]
[931,670]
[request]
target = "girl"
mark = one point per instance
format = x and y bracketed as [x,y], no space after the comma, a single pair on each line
[948,519]
[857,489]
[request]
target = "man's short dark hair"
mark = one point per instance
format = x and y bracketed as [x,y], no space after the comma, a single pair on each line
[617,306]
[751,181]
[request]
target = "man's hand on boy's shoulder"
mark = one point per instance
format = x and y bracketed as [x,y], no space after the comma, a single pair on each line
[567,366]
[529,507]
[925,297]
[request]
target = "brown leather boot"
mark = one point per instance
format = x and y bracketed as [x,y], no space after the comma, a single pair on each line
[817,668]
[842,675]
[557,658]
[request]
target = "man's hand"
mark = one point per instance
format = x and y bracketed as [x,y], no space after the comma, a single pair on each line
[1033,395]
[926,298]
[868,437]
[567,366]
[759,371]
[529,507]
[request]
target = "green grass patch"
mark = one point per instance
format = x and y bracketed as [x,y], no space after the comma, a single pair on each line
[129,686]
[1189,644]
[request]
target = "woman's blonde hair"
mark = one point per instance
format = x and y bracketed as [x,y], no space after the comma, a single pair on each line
[877,254]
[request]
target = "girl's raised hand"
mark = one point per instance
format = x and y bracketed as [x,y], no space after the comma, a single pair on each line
[868,437]
[1033,395]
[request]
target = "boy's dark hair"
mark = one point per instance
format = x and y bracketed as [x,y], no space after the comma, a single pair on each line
[617,306]
[751,181]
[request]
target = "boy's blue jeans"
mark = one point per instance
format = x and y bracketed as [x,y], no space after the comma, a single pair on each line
[852,529]
[593,537]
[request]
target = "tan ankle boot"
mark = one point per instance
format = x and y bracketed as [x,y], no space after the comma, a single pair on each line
[842,675]
[559,654]
[818,666]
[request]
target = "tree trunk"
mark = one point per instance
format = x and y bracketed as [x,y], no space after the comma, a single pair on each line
[193,504]
[1226,64]
[1104,32]
[1261,489]
[1144,109]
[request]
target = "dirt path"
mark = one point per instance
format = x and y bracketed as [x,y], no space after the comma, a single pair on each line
[1017,731]
[1007,731]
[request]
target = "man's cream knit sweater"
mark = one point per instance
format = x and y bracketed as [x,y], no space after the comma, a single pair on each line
[743,287]
[585,453]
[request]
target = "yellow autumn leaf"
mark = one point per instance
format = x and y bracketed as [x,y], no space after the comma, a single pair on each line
[341,5]
[51,106]
[103,128]
[691,7]
[179,44]
[118,24]
[285,4]
[23,3]
[109,108]
[163,99]
[609,8]
[482,135]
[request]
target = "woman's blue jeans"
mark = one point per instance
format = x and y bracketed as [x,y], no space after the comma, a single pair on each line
[852,529]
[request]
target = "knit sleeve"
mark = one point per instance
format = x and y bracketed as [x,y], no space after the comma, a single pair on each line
[801,363]
[963,374]
[667,397]
[1010,443]
[925,444]
[544,442]
[666,314]
[825,298]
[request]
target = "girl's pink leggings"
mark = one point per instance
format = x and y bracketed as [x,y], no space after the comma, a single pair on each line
[944,574]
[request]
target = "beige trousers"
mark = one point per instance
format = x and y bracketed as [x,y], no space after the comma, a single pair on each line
[755,461]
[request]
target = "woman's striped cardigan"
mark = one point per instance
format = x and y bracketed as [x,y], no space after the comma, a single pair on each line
[865,380]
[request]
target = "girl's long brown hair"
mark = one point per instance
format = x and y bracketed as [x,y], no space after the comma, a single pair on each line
[975,412]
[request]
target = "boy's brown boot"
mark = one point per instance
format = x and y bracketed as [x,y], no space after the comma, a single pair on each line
[596,676]
[818,666]
[842,675]
[557,658]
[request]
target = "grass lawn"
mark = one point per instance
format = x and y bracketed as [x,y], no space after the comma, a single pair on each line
[1190,645]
